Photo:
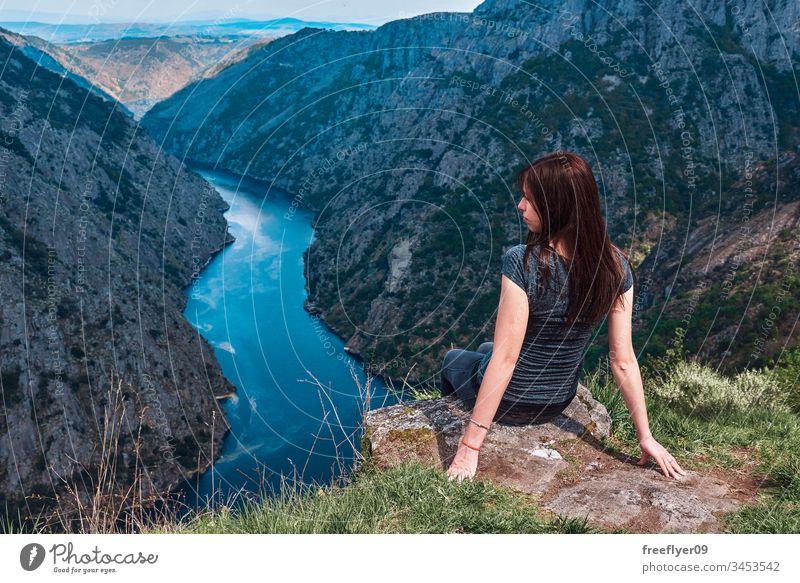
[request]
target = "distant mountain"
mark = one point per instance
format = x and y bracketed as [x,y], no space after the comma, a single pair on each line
[140,72]
[230,27]
[142,64]
[406,140]
[52,57]
[732,279]
[100,232]
[137,72]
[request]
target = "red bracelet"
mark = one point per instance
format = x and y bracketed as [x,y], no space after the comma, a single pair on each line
[469,446]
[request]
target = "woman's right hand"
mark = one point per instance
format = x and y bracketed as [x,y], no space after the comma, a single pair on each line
[669,465]
[464,464]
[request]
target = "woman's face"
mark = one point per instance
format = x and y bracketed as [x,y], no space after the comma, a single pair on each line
[529,214]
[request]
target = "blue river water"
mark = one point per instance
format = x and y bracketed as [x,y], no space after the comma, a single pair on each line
[248,303]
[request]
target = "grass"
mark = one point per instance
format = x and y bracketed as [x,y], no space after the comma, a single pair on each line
[423,391]
[92,497]
[411,498]
[697,419]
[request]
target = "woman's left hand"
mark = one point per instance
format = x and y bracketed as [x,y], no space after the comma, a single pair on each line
[464,465]
[669,465]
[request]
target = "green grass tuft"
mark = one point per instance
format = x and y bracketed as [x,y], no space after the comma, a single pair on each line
[412,498]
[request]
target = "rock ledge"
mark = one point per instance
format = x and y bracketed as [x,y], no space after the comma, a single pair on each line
[563,464]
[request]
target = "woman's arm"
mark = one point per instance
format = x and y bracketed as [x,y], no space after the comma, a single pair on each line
[625,369]
[624,365]
[509,331]
[495,380]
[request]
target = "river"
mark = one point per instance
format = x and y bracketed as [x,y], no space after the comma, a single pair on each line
[248,303]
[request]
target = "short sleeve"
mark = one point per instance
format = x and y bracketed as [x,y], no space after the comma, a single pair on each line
[628,279]
[513,267]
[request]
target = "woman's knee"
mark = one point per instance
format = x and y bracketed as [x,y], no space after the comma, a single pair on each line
[445,385]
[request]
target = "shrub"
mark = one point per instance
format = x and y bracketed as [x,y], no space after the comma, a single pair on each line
[761,388]
[699,390]
[787,373]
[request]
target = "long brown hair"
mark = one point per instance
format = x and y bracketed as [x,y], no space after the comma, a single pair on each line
[562,188]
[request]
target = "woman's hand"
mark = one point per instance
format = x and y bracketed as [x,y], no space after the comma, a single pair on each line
[669,465]
[464,464]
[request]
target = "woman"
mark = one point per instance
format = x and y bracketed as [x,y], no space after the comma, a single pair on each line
[555,291]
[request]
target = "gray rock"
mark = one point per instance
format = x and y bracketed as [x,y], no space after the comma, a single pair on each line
[563,463]
[643,500]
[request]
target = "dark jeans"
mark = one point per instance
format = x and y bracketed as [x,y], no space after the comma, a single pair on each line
[460,376]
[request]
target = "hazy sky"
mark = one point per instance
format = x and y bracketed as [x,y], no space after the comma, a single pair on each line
[368,11]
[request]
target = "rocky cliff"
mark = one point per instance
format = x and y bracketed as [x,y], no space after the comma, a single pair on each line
[100,233]
[406,140]
[565,465]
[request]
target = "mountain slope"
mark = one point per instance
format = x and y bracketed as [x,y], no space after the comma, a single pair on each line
[142,71]
[137,72]
[99,234]
[52,57]
[406,140]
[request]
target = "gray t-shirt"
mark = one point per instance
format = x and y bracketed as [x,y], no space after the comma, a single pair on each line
[550,358]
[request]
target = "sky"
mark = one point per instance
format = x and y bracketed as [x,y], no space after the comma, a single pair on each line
[93,11]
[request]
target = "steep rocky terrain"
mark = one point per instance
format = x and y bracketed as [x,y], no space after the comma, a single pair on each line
[406,140]
[100,233]
[735,272]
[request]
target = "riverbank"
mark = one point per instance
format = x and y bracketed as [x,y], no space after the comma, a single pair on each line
[297,202]
[299,393]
